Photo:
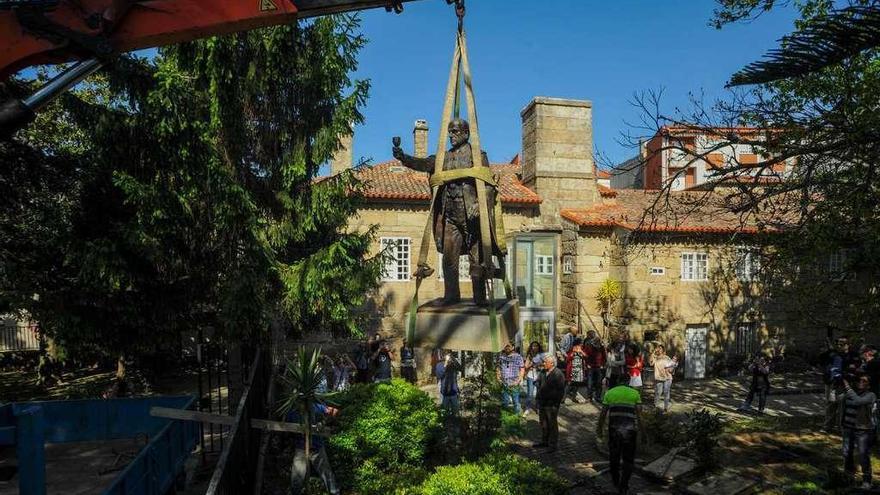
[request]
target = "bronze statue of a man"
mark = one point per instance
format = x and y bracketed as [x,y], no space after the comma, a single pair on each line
[457,215]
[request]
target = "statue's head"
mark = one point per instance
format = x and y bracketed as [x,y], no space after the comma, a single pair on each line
[459,132]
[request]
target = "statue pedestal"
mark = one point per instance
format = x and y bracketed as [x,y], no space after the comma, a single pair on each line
[464,326]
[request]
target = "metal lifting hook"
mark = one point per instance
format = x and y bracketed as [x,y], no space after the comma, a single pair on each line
[394,6]
[459,11]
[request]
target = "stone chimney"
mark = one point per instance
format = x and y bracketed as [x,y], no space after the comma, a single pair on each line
[342,159]
[420,139]
[557,154]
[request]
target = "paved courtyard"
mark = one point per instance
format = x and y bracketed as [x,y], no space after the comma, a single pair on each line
[581,461]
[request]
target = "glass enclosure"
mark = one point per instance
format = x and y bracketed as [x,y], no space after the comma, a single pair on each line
[533,264]
[535,268]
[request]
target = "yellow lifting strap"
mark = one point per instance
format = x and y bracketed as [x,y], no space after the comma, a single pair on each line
[482,175]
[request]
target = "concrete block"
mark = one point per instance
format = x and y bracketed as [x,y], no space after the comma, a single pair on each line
[670,466]
[463,326]
[725,483]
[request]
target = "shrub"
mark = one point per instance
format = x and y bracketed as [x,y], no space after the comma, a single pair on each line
[701,430]
[465,479]
[511,425]
[369,479]
[524,476]
[496,473]
[662,428]
[481,411]
[384,429]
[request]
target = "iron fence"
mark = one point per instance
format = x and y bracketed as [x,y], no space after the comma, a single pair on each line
[237,467]
[19,336]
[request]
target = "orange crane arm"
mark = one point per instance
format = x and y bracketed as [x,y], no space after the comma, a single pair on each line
[36,32]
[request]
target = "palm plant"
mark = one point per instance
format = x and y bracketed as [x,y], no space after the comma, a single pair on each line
[606,297]
[302,393]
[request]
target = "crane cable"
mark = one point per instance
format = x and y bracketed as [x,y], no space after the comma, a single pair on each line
[483,176]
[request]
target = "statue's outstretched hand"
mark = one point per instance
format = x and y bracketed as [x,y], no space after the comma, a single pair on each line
[396,150]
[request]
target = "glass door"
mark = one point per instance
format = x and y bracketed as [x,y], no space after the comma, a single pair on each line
[538,326]
[534,286]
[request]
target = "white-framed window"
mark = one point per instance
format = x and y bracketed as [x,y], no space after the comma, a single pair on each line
[658,270]
[543,264]
[568,264]
[464,267]
[837,269]
[397,263]
[745,339]
[694,266]
[747,264]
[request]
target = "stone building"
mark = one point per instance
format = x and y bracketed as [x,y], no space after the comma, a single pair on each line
[682,158]
[685,276]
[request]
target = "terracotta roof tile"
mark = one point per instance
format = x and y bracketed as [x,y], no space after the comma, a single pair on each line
[606,192]
[649,211]
[392,181]
[603,174]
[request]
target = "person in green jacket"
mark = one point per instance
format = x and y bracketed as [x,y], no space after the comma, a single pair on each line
[621,410]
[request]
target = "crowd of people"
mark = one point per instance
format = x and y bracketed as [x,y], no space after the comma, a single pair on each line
[852,389]
[370,361]
[610,375]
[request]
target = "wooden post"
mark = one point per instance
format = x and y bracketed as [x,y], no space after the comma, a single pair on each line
[234,378]
[30,449]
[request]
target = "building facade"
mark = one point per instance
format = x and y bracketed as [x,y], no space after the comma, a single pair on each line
[685,276]
[680,158]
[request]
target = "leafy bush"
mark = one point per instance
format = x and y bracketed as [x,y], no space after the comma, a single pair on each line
[662,428]
[385,431]
[524,476]
[511,424]
[496,473]
[465,479]
[481,411]
[702,430]
[369,479]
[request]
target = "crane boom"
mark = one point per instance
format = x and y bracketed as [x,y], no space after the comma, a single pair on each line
[34,32]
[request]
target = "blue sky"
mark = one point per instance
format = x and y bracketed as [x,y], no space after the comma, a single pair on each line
[603,51]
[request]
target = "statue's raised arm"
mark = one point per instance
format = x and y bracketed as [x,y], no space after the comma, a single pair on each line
[418,164]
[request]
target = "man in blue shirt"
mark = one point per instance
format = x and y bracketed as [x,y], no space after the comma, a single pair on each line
[447,373]
[320,463]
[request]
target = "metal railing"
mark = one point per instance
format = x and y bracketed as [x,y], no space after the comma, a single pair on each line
[582,309]
[18,337]
[237,467]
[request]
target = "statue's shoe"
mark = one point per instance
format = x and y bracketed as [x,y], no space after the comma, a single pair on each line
[450,301]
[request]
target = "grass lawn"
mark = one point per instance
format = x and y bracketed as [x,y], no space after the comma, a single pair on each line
[18,386]
[791,454]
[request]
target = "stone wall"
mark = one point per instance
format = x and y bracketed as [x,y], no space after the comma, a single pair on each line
[664,305]
[557,155]
[343,158]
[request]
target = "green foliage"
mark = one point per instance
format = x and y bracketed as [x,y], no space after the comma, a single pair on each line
[385,430]
[822,268]
[701,432]
[369,479]
[480,411]
[301,384]
[512,424]
[465,479]
[523,476]
[608,294]
[497,473]
[803,488]
[662,428]
[179,192]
